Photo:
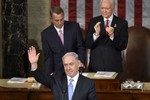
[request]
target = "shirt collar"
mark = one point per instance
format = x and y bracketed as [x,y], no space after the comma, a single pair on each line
[75,78]
[110,18]
[57,29]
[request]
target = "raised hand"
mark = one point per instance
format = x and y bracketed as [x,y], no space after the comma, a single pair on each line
[33,57]
[97,28]
[110,30]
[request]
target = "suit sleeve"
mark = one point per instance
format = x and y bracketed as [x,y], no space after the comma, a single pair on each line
[121,36]
[80,45]
[92,92]
[89,39]
[42,78]
[48,56]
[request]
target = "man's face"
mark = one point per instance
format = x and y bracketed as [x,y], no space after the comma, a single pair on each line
[58,20]
[106,8]
[71,65]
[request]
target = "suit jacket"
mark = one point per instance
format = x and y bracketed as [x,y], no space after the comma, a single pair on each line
[85,88]
[106,53]
[54,49]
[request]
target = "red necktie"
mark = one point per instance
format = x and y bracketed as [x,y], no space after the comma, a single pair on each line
[107,25]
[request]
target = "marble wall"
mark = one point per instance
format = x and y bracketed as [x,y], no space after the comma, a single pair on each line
[1,50]
[38,20]
[14,38]
[21,26]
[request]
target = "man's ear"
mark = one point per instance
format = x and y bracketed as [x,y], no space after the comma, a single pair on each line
[51,21]
[78,62]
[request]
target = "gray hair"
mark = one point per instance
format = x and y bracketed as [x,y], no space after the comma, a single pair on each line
[71,54]
[56,10]
[112,1]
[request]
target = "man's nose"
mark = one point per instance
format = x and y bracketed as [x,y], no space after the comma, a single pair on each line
[68,67]
[59,22]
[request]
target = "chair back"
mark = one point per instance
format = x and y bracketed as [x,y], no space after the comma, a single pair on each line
[137,61]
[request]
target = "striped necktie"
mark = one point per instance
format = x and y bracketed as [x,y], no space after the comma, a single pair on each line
[61,36]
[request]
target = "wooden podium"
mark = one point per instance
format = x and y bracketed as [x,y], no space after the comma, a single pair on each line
[107,89]
[105,83]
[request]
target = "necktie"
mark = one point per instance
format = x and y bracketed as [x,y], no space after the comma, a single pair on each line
[107,25]
[70,89]
[61,36]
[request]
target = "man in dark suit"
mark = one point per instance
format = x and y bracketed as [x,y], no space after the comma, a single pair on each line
[83,88]
[52,45]
[106,39]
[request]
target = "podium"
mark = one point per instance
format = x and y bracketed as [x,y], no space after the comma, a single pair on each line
[106,89]
[105,83]
[24,91]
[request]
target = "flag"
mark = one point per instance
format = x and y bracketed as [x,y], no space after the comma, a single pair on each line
[136,12]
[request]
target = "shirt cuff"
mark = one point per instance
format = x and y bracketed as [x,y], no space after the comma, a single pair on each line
[95,36]
[33,67]
[112,37]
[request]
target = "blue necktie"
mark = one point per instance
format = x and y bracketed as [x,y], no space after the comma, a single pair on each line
[70,89]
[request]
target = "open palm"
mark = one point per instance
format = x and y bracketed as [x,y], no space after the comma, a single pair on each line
[32,56]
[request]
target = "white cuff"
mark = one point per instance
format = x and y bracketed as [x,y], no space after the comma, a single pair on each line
[95,36]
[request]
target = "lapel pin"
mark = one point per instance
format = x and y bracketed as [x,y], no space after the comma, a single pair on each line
[115,26]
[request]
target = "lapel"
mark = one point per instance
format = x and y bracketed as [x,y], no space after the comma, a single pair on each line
[65,88]
[56,38]
[67,35]
[103,31]
[113,24]
[61,82]
[78,88]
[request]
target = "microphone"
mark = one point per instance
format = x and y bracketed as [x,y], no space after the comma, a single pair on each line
[64,91]
[63,94]
[81,70]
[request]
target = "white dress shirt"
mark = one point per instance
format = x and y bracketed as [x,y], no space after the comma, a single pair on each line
[75,79]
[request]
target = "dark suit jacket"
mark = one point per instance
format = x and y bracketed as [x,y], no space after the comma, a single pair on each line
[106,53]
[85,88]
[54,50]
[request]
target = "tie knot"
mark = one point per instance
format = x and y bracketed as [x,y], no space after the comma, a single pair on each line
[60,31]
[71,80]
